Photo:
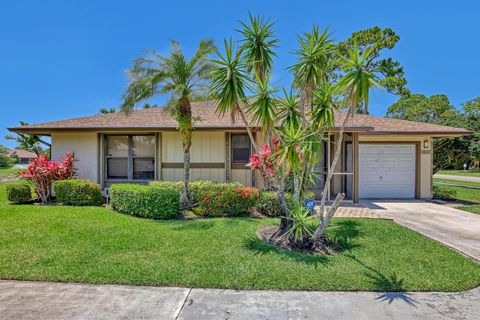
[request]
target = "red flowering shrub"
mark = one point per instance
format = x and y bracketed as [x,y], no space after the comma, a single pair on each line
[43,172]
[231,200]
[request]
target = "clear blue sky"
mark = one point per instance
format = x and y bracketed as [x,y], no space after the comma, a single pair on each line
[64,59]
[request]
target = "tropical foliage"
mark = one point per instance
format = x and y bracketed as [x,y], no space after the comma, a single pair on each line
[327,77]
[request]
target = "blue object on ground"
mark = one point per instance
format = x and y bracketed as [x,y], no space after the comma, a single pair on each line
[309,204]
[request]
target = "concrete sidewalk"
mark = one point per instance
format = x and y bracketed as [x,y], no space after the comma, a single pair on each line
[458,178]
[44,300]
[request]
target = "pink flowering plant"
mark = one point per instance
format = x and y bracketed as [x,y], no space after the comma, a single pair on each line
[43,173]
[264,162]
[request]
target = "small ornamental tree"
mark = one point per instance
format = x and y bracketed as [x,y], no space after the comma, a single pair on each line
[43,173]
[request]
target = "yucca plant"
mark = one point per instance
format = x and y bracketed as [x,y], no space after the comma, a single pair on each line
[258,45]
[311,67]
[301,230]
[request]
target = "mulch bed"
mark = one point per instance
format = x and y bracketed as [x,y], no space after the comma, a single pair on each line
[322,247]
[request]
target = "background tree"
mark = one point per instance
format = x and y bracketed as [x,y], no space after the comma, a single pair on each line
[107,110]
[390,73]
[437,109]
[29,142]
[5,159]
[417,107]
[184,79]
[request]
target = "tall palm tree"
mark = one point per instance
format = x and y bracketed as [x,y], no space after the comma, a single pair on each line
[184,79]
[356,84]
[311,67]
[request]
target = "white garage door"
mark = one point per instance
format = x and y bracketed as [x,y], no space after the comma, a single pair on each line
[387,171]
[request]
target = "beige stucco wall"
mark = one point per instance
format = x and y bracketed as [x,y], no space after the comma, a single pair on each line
[85,147]
[426,157]
[207,147]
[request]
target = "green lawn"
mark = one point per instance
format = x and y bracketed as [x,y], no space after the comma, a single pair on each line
[97,245]
[464,194]
[4,172]
[472,173]
[472,209]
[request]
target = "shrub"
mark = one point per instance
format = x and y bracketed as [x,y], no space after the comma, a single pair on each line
[78,192]
[19,192]
[268,204]
[175,185]
[145,201]
[198,189]
[444,193]
[229,199]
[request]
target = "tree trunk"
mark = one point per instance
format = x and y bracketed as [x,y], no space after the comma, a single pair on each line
[184,119]
[185,201]
[335,160]
[285,223]
[249,131]
[326,220]
[296,187]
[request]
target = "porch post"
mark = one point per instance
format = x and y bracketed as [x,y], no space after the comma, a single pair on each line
[355,167]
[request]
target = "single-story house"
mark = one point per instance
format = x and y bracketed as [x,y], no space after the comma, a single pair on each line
[381,157]
[22,156]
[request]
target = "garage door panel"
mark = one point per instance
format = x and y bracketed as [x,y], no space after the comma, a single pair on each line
[387,171]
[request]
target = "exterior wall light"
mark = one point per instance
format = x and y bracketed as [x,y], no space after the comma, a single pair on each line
[426,144]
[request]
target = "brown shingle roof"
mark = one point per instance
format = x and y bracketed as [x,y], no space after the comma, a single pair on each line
[206,118]
[22,154]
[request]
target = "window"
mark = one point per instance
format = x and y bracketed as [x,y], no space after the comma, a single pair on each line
[143,153]
[240,148]
[130,157]
[117,157]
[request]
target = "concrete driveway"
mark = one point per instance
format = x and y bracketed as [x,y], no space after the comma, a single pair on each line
[455,228]
[45,300]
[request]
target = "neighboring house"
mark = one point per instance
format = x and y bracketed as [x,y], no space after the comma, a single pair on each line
[23,156]
[381,158]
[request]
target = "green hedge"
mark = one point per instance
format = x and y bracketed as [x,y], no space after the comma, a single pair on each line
[78,192]
[198,189]
[19,192]
[145,201]
[444,193]
[268,204]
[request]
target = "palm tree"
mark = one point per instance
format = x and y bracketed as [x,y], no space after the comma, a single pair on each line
[29,142]
[156,74]
[311,67]
[355,84]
